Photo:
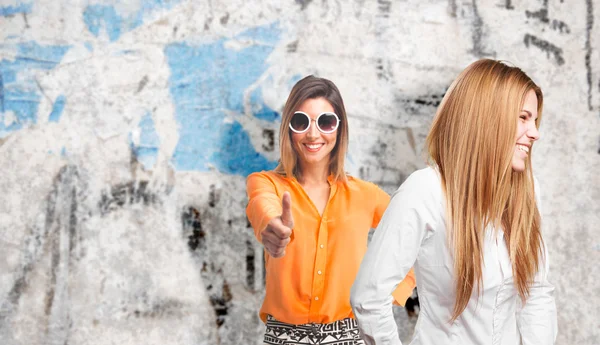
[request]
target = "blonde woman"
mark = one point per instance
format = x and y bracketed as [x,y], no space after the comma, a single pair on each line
[470,224]
[313,221]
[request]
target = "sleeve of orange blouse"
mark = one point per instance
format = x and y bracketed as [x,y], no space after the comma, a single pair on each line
[405,289]
[263,202]
[382,199]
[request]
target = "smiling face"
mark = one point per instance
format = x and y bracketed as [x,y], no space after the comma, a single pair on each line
[527,131]
[313,147]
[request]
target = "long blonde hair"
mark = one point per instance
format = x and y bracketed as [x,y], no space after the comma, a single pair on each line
[311,87]
[472,141]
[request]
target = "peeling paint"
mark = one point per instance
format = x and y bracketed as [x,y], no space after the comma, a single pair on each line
[19,8]
[20,92]
[205,139]
[122,217]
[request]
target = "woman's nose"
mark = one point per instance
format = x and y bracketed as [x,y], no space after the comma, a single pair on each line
[533,133]
[313,132]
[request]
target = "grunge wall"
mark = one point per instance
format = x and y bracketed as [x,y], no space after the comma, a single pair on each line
[127,130]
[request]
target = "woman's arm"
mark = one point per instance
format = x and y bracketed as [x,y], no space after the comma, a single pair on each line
[405,289]
[263,202]
[407,221]
[537,317]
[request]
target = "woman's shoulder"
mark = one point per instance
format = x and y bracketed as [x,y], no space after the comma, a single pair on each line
[356,184]
[353,180]
[427,176]
[423,178]
[425,182]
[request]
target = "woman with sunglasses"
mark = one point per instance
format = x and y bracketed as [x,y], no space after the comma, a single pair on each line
[470,224]
[313,221]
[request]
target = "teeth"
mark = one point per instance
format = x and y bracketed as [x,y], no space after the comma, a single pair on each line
[523,148]
[315,146]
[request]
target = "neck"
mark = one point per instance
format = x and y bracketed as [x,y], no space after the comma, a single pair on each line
[314,174]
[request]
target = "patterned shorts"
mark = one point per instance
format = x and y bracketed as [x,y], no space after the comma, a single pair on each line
[341,332]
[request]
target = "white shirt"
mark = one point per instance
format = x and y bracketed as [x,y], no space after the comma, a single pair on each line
[412,233]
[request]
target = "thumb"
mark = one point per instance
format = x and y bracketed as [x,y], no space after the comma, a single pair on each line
[286,213]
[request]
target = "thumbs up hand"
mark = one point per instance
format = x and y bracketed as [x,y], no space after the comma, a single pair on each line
[276,235]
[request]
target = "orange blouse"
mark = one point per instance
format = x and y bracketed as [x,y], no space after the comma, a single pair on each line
[312,282]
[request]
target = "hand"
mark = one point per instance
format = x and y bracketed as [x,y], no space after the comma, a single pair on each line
[277,234]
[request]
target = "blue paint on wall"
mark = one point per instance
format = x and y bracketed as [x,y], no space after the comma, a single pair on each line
[146,151]
[96,17]
[57,109]
[16,9]
[207,81]
[8,76]
[236,156]
[1,93]
[99,16]
[21,96]
[260,109]
[33,55]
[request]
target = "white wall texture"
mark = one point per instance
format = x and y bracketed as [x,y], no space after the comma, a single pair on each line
[127,129]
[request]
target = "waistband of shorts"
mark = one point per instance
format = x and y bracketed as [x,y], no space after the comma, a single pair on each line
[346,324]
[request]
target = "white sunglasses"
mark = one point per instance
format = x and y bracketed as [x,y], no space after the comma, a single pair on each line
[327,122]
